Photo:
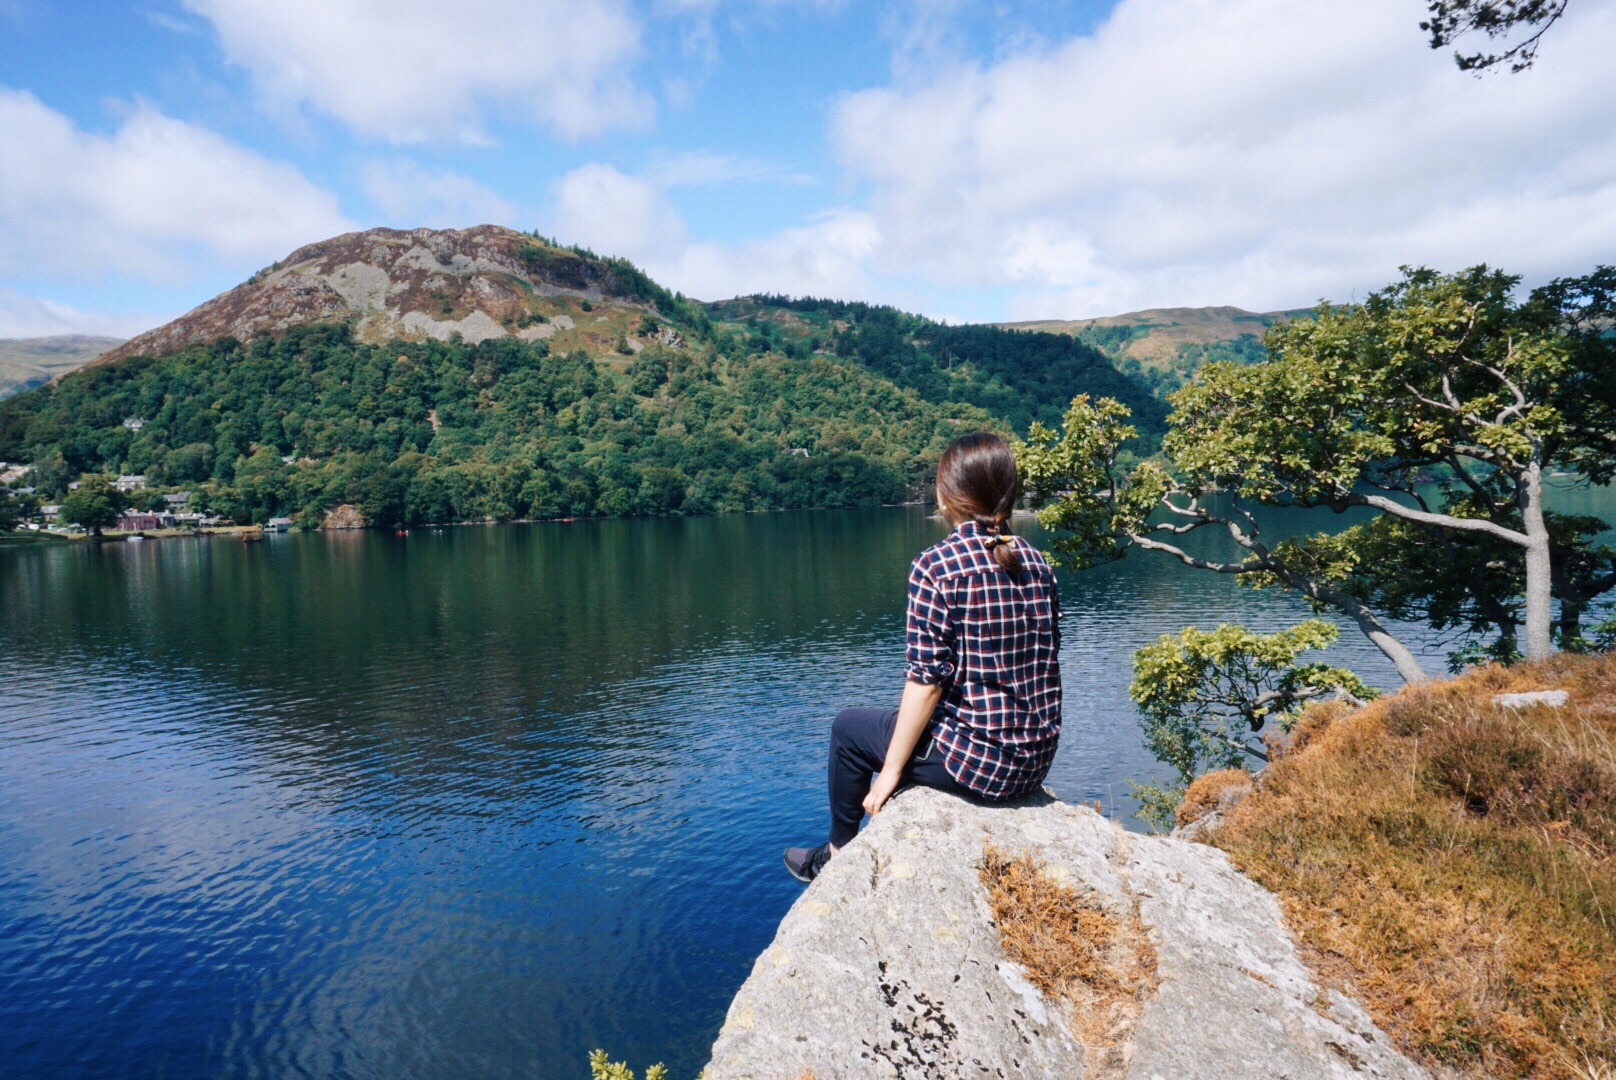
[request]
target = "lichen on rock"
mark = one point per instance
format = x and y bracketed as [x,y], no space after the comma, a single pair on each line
[890,964]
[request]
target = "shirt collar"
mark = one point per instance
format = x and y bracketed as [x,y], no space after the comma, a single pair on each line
[969,527]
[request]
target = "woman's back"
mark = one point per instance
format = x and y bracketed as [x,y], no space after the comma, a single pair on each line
[993,640]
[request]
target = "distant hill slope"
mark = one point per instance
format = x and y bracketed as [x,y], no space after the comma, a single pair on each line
[450,375]
[1020,377]
[30,362]
[1165,346]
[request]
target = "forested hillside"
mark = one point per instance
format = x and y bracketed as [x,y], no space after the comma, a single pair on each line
[519,379]
[1165,347]
[1018,376]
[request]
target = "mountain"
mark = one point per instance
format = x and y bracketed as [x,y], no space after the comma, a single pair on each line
[30,362]
[411,285]
[450,375]
[1165,346]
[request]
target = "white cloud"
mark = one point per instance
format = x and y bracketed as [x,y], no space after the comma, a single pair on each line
[702,168]
[408,195]
[24,316]
[158,199]
[829,257]
[1257,152]
[409,71]
[616,214]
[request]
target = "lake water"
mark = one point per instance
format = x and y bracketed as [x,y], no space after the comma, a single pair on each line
[467,803]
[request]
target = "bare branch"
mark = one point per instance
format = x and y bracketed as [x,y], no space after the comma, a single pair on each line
[1198,563]
[1446,521]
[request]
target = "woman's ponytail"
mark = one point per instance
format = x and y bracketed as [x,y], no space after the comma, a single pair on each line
[977,480]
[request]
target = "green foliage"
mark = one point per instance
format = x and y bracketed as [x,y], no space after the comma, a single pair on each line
[602,1069]
[420,432]
[1452,19]
[10,514]
[1458,581]
[1073,479]
[1205,696]
[1450,376]
[94,504]
[1158,803]
[1019,376]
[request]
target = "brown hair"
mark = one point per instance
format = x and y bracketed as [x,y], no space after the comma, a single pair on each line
[976,481]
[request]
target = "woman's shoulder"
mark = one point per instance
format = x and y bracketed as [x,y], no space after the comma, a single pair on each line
[938,555]
[1032,557]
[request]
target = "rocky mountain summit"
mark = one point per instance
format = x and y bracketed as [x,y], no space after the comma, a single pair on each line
[483,282]
[890,964]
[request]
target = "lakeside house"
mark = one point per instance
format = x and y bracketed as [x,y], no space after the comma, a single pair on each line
[278,524]
[177,500]
[141,520]
[131,482]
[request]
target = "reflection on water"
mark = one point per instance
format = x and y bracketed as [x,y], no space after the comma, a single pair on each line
[466,803]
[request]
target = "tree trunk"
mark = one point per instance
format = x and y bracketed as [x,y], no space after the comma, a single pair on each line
[1570,619]
[1539,565]
[1368,622]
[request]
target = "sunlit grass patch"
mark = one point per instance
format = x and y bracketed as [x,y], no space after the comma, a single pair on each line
[1451,862]
[1072,949]
[1212,791]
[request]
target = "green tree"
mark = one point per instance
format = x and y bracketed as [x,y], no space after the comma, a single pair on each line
[1354,409]
[10,514]
[1205,697]
[1452,19]
[94,504]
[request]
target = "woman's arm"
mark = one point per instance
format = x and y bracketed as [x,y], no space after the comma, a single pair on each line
[914,712]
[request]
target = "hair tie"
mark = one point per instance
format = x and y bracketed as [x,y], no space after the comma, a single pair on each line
[995,540]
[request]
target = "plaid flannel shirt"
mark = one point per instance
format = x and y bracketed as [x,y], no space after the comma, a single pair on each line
[993,644]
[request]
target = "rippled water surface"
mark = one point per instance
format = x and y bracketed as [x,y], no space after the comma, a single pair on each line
[466,803]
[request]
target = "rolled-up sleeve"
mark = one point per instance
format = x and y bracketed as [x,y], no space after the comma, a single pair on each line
[927,629]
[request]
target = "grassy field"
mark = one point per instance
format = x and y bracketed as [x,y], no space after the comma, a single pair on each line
[1450,863]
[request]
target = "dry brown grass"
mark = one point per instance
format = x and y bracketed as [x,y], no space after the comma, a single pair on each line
[1454,865]
[1219,789]
[1074,950]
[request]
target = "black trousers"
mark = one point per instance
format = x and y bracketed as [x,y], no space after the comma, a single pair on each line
[858,748]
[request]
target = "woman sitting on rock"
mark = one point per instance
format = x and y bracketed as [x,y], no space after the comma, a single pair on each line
[981,708]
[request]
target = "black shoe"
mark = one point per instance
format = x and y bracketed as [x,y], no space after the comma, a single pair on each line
[805,863]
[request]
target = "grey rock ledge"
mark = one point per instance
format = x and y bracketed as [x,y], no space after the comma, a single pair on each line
[888,964]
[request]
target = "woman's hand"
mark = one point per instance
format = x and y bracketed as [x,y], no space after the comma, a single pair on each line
[880,791]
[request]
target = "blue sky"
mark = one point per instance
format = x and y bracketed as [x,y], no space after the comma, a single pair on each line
[968,160]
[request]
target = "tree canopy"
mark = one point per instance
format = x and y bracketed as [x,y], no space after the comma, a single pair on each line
[1453,19]
[94,504]
[1441,404]
[1206,696]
